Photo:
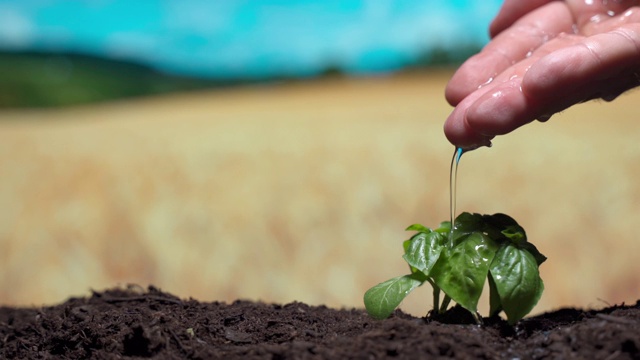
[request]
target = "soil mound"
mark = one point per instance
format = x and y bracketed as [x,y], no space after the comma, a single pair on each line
[137,323]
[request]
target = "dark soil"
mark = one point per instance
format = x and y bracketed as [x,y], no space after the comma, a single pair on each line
[134,324]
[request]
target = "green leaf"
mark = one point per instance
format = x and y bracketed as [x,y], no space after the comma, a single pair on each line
[465,225]
[460,272]
[382,299]
[444,228]
[499,221]
[515,233]
[503,228]
[424,250]
[405,246]
[517,279]
[469,222]
[534,251]
[418,227]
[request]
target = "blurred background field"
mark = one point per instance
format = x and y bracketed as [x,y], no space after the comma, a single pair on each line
[290,181]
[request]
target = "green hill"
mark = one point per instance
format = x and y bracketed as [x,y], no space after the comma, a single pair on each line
[33,79]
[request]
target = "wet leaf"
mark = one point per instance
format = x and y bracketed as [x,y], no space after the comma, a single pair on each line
[424,250]
[444,228]
[382,299]
[460,272]
[465,225]
[517,279]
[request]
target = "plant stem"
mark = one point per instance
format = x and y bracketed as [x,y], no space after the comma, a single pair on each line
[477,318]
[445,304]
[436,297]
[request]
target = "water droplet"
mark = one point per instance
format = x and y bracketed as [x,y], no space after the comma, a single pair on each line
[486,82]
[544,117]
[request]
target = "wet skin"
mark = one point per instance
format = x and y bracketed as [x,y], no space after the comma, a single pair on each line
[544,56]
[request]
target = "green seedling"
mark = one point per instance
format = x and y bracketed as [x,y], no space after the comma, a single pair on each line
[457,263]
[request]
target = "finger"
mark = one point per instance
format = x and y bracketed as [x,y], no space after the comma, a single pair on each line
[508,48]
[582,66]
[629,16]
[511,11]
[591,12]
[508,108]
[585,11]
[628,77]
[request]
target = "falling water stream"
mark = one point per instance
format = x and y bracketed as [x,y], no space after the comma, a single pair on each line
[453,175]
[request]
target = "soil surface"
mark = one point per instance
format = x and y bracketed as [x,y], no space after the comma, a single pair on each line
[136,323]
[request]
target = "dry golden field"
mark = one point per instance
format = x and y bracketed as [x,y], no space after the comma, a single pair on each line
[301,192]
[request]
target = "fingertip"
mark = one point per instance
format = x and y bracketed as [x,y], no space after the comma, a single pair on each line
[461,135]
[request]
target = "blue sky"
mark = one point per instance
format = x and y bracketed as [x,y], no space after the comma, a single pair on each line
[243,38]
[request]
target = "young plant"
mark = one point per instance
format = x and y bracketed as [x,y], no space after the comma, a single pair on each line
[457,262]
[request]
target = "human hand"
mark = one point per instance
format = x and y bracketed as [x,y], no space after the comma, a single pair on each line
[544,57]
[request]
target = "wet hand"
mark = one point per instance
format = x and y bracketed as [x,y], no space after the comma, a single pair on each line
[544,57]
